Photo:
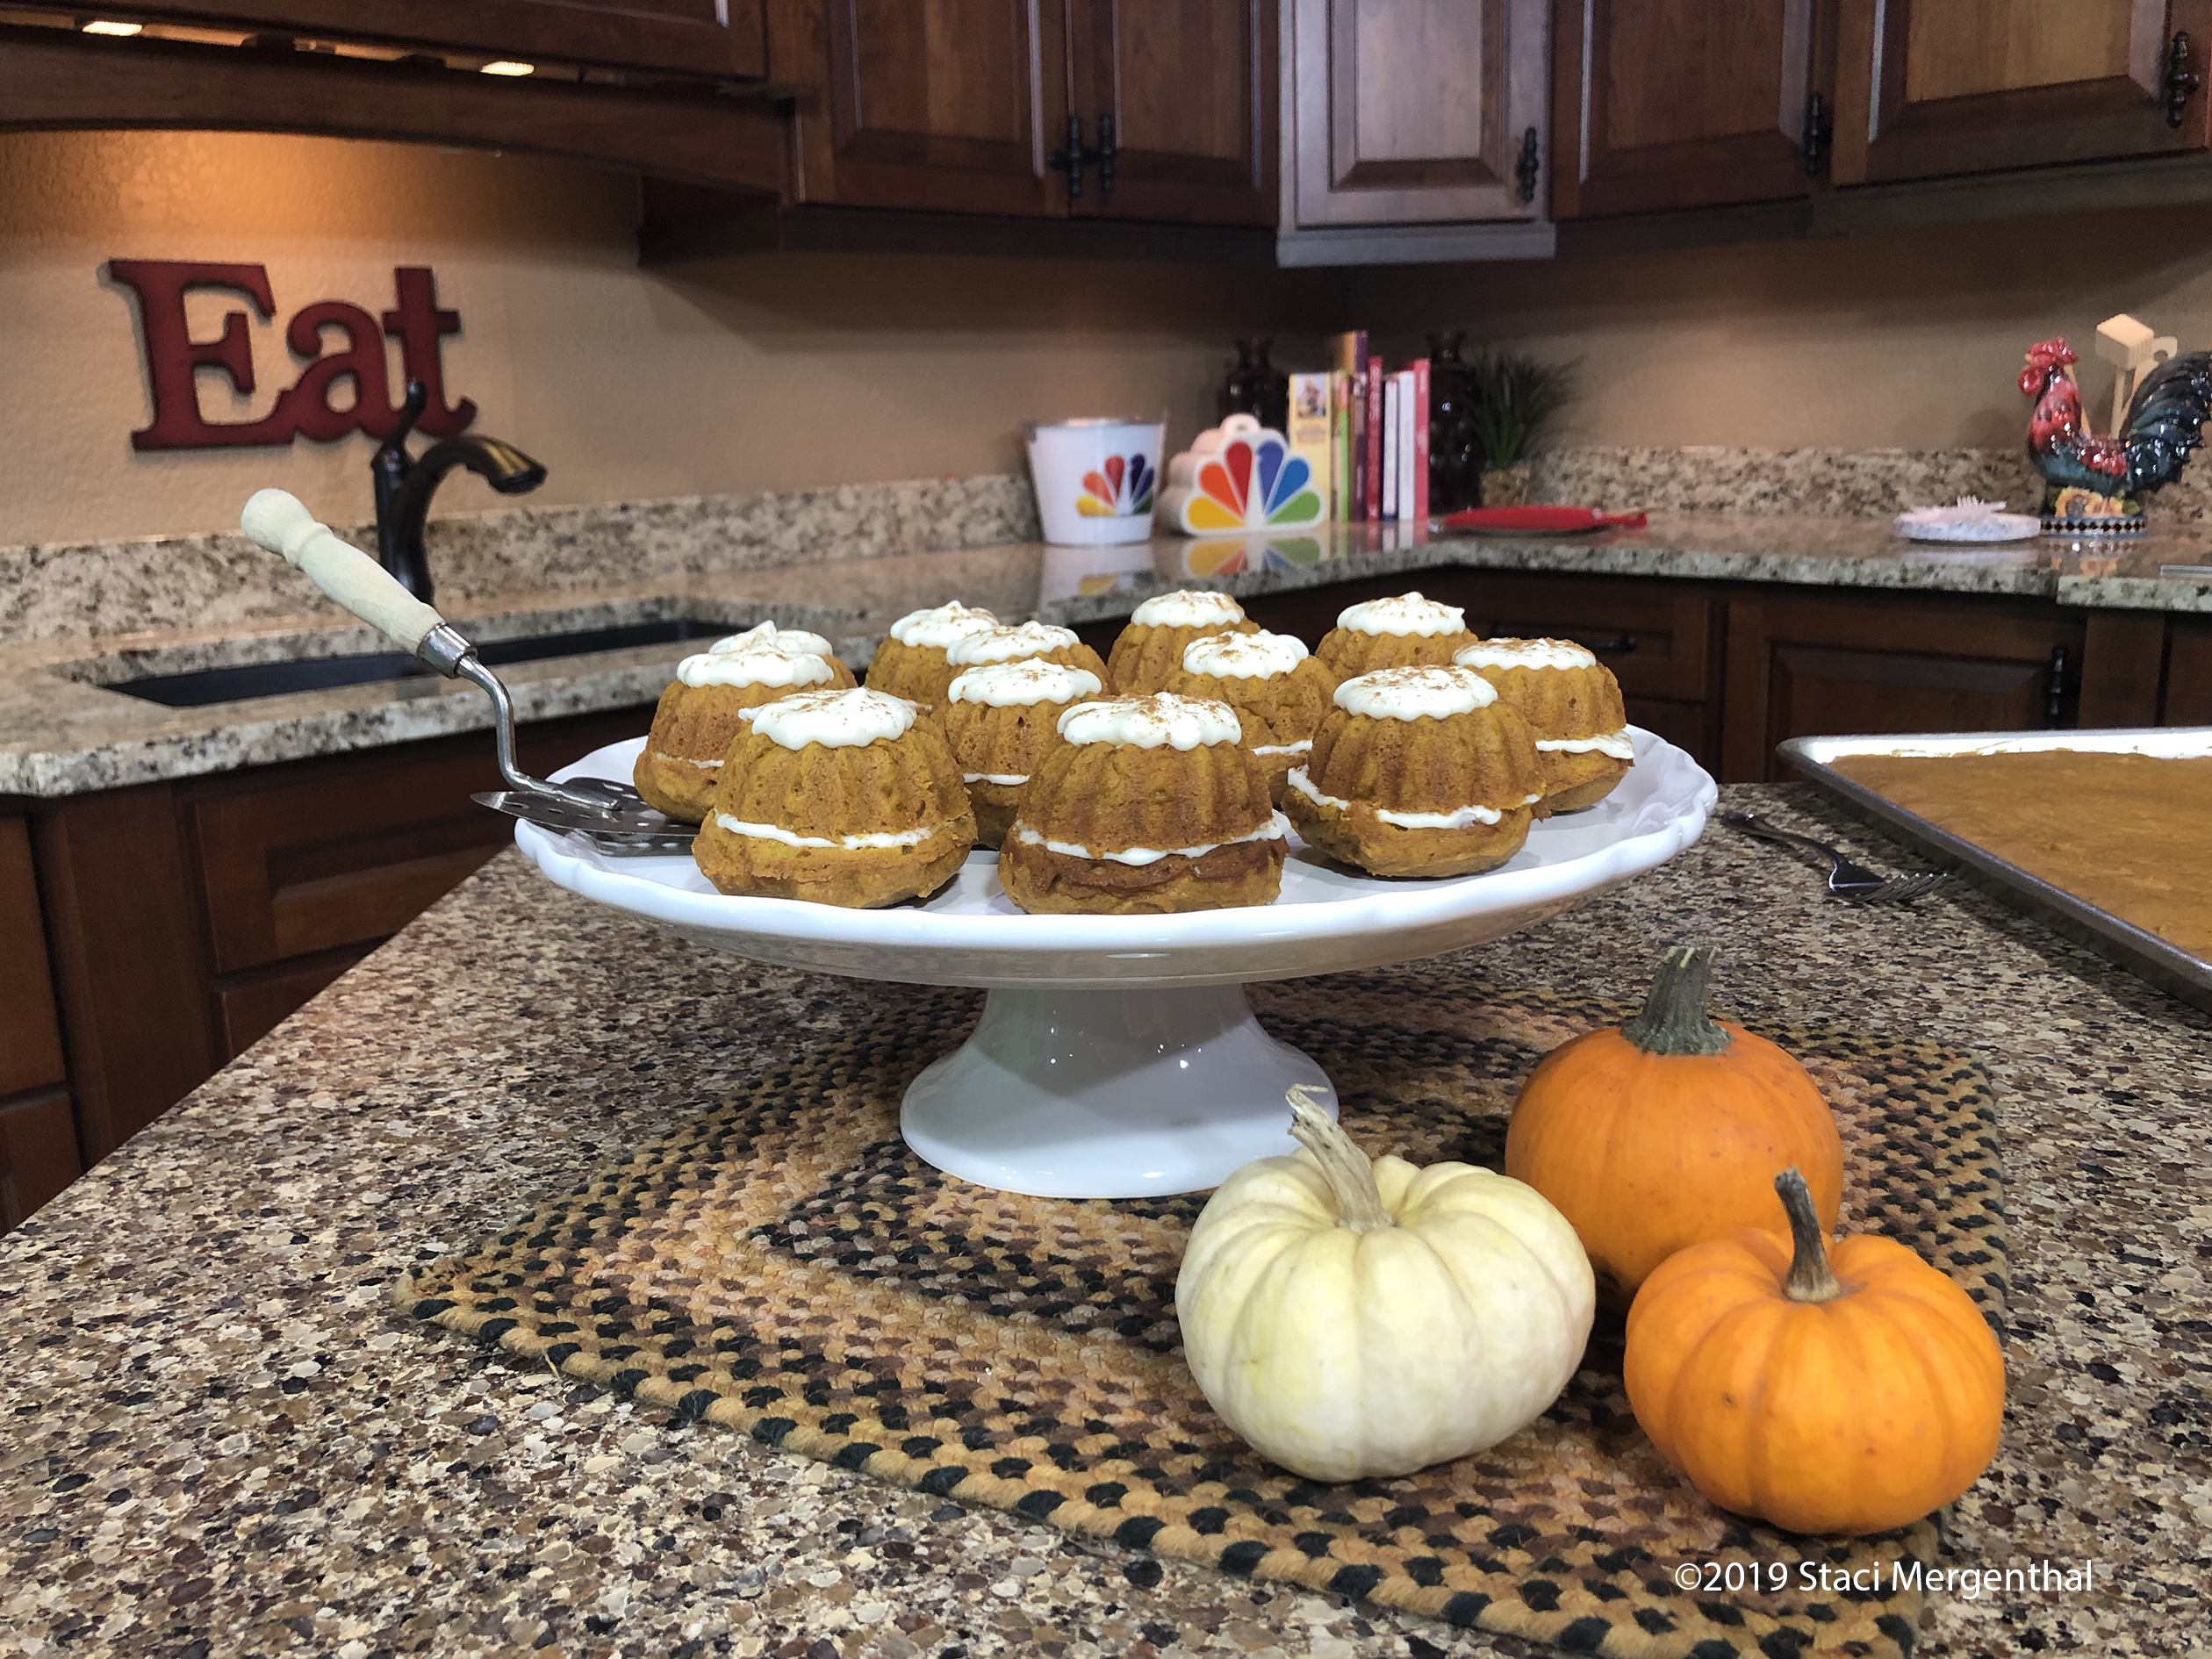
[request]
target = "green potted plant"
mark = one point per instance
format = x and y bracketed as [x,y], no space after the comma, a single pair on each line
[1514,400]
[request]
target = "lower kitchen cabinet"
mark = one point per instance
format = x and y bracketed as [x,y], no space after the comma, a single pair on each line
[37,1133]
[1799,666]
[2188,674]
[188,919]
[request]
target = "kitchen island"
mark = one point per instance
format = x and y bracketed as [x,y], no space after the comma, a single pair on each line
[226,1441]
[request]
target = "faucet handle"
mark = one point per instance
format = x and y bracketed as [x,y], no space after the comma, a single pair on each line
[281,523]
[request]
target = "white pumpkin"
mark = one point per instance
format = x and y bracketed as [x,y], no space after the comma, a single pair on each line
[1351,1318]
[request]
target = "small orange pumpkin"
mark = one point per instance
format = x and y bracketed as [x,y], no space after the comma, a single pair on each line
[1844,1392]
[1664,1133]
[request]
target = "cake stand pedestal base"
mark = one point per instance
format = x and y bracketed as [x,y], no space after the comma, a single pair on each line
[1108,1094]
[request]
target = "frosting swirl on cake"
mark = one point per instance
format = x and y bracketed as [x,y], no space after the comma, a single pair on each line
[1403,613]
[1415,693]
[762,665]
[834,719]
[941,625]
[1525,653]
[1188,608]
[1149,722]
[1243,655]
[1008,684]
[1009,644]
[769,636]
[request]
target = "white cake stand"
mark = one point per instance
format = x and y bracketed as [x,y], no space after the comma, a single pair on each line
[1117,1056]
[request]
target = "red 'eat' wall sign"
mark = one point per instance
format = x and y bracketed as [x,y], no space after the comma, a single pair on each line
[173,358]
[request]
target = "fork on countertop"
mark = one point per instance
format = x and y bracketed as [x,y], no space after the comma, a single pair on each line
[1853,883]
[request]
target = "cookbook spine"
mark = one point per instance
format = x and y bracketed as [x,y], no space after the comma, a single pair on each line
[1371,441]
[1421,444]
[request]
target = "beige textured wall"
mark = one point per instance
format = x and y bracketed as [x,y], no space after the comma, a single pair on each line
[1907,339]
[731,376]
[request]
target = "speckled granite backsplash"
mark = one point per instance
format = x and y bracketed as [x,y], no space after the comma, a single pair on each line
[56,590]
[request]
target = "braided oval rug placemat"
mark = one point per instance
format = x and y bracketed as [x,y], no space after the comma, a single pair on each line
[785,1265]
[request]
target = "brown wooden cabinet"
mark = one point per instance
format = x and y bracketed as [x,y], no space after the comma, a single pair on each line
[1801,665]
[962,105]
[1926,88]
[1669,106]
[2189,673]
[37,1133]
[714,38]
[1417,111]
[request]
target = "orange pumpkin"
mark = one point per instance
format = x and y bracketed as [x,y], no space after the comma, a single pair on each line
[1665,1132]
[1844,1392]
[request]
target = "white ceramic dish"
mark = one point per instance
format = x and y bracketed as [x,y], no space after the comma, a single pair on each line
[1087,1077]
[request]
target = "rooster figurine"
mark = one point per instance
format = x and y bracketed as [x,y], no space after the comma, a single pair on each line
[2097,484]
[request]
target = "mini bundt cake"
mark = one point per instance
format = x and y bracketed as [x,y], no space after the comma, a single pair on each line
[1404,631]
[910,662]
[1151,647]
[1418,772]
[1279,691]
[999,720]
[794,640]
[701,712]
[1146,805]
[1031,642]
[1572,703]
[845,797]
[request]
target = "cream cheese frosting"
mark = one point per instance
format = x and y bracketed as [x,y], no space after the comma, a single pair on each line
[939,627]
[1621,745]
[1148,723]
[1276,826]
[796,640]
[1243,655]
[849,844]
[834,719]
[762,665]
[1403,613]
[1458,818]
[1003,645]
[1008,684]
[1525,653]
[1415,693]
[1188,608]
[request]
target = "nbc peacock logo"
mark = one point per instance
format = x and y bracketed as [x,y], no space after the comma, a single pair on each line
[1252,484]
[1119,489]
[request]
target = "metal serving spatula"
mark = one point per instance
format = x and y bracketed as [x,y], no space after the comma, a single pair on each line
[612,817]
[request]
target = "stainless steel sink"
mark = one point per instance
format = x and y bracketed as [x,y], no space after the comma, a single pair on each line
[206,685]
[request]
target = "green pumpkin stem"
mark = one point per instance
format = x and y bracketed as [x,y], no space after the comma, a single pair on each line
[1674,1020]
[1810,1278]
[1348,1171]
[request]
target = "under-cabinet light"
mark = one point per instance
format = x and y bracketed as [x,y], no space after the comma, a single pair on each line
[504,67]
[101,25]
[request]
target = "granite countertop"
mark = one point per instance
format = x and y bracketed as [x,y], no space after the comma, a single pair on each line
[224,1440]
[68,732]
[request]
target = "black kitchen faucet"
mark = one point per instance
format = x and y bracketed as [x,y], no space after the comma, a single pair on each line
[404,485]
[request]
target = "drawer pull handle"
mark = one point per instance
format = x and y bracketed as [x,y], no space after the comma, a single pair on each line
[1620,647]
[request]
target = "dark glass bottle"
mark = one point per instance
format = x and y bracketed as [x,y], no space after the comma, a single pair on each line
[1255,387]
[1456,458]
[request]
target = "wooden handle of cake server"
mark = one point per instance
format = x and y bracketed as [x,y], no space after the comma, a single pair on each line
[279,522]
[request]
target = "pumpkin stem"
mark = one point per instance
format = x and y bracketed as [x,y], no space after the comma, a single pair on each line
[1810,1278]
[1349,1172]
[1674,1020]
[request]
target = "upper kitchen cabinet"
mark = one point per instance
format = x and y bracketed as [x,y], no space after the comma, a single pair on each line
[1417,111]
[1129,109]
[1687,103]
[940,104]
[702,37]
[1930,87]
[1183,94]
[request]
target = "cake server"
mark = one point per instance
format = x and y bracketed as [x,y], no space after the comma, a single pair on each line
[613,817]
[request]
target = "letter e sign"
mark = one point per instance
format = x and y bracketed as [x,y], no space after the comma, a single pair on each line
[173,359]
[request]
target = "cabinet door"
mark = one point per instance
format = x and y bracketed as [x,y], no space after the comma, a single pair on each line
[1930,87]
[943,104]
[1685,105]
[1415,111]
[1189,86]
[688,37]
[1803,667]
